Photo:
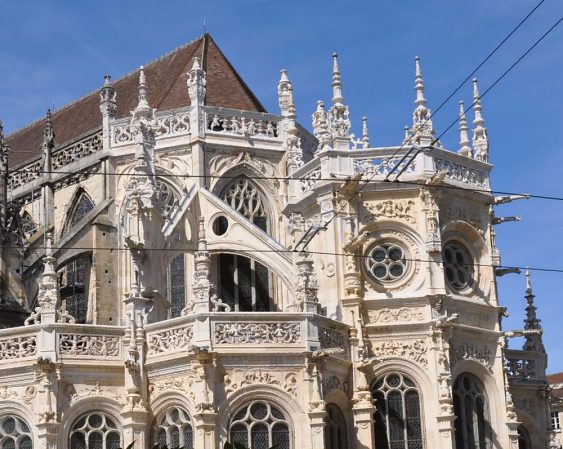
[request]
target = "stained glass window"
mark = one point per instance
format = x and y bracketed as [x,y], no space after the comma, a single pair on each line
[335,430]
[244,284]
[14,433]
[458,266]
[95,430]
[397,418]
[177,286]
[82,206]
[243,196]
[74,278]
[174,428]
[472,430]
[260,425]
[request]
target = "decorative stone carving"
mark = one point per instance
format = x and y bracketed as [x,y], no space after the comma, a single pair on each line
[96,345]
[179,383]
[244,124]
[330,338]
[431,212]
[402,314]
[170,340]
[257,333]
[520,369]
[18,347]
[398,209]
[467,351]
[458,212]
[25,175]
[309,180]
[461,173]
[7,393]
[90,392]
[374,167]
[415,350]
[77,151]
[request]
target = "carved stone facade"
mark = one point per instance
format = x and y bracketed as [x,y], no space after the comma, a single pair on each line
[228,270]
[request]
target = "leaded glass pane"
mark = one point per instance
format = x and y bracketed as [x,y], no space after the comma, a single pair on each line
[280,436]
[458,266]
[9,425]
[174,437]
[177,293]
[81,208]
[470,407]
[244,284]
[25,443]
[173,429]
[263,424]
[239,434]
[9,443]
[95,440]
[188,437]
[260,438]
[95,431]
[14,433]
[77,441]
[262,283]
[75,277]
[112,441]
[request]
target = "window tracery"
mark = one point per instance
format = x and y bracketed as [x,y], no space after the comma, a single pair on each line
[74,279]
[386,262]
[174,429]
[244,197]
[95,430]
[335,431]
[398,423]
[14,433]
[260,425]
[470,407]
[458,266]
[82,206]
[166,197]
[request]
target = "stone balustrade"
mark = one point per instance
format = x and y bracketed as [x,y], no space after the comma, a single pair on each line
[242,123]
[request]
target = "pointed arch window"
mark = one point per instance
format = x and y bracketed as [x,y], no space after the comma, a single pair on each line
[244,284]
[260,425]
[244,197]
[14,433]
[28,227]
[335,431]
[177,285]
[95,430]
[74,279]
[173,428]
[81,207]
[472,429]
[398,423]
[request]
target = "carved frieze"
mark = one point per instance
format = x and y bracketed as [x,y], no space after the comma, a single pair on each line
[73,395]
[330,338]
[257,333]
[180,383]
[415,350]
[18,347]
[461,173]
[400,315]
[396,209]
[469,351]
[78,345]
[170,340]
[459,212]
[238,379]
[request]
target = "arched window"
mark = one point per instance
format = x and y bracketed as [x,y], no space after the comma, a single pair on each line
[74,279]
[397,415]
[174,429]
[176,287]
[335,430]
[14,433]
[524,441]
[166,197]
[96,430]
[244,197]
[28,226]
[260,425]
[81,207]
[244,284]
[471,409]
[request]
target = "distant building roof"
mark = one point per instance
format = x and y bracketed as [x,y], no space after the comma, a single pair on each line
[555,381]
[166,80]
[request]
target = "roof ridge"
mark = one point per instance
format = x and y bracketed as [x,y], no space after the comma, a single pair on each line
[77,100]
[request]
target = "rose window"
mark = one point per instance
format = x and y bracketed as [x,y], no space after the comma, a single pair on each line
[386,262]
[458,266]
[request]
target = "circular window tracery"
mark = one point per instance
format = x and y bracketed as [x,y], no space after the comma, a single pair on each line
[95,431]
[174,429]
[260,425]
[166,197]
[386,262]
[14,433]
[458,266]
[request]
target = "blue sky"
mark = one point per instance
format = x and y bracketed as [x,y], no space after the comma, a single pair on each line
[54,51]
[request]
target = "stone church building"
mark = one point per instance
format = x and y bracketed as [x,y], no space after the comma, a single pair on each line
[180,266]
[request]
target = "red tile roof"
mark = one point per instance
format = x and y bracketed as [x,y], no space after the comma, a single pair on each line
[166,80]
[556,378]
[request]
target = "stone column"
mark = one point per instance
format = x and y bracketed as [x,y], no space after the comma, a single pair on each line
[135,427]
[47,434]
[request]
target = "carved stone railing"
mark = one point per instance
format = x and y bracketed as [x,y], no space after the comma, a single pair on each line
[18,347]
[521,369]
[379,167]
[77,151]
[243,123]
[310,180]
[285,333]
[169,123]
[332,338]
[25,174]
[462,173]
[170,340]
[89,345]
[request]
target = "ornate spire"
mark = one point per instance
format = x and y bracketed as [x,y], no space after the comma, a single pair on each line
[292,142]
[422,131]
[202,288]
[365,134]
[143,112]
[480,138]
[320,127]
[465,149]
[197,84]
[306,285]
[108,103]
[338,115]
[3,150]
[48,142]
[532,322]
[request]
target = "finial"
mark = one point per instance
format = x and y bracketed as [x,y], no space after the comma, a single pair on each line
[528,282]
[365,135]
[143,111]
[196,87]
[419,84]
[284,77]
[480,138]
[196,65]
[201,237]
[285,94]
[465,149]
[336,81]
[48,132]
[107,80]
[533,341]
